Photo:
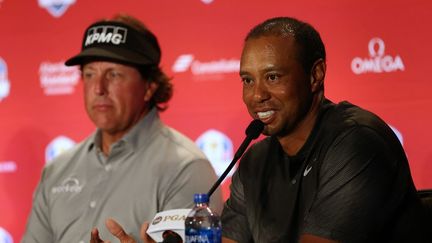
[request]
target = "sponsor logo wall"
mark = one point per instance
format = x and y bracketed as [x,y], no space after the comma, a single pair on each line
[377,61]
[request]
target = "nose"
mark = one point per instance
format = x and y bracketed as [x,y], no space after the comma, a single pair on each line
[260,91]
[100,86]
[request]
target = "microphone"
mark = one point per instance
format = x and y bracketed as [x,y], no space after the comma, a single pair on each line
[252,132]
[170,236]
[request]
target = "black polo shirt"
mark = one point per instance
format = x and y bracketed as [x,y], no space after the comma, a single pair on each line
[350,182]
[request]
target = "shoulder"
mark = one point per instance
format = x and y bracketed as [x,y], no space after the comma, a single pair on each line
[347,115]
[257,152]
[183,145]
[356,138]
[362,152]
[66,160]
[252,163]
[259,147]
[345,121]
[174,153]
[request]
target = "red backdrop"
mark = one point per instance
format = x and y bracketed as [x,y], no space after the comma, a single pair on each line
[377,54]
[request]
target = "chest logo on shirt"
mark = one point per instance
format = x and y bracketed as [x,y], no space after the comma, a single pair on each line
[307,170]
[69,185]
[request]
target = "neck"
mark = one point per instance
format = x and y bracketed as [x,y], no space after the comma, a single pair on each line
[108,138]
[294,141]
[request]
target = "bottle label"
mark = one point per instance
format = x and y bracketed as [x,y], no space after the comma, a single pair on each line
[203,236]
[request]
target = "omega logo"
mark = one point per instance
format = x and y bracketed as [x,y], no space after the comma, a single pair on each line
[377,62]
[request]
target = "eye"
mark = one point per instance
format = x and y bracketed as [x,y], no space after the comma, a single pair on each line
[86,75]
[273,77]
[246,80]
[113,74]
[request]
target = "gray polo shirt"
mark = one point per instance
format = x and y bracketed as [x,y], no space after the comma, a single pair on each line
[152,168]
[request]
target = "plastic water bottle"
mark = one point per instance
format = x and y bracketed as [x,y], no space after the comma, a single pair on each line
[202,225]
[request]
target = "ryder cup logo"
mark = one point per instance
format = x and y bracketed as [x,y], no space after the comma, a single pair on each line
[4,82]
[106,34]
[377,62]
[56,7]
[5,237]
[218,148]
[57,146]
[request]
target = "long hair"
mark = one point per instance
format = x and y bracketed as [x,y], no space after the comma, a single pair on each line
[151,73]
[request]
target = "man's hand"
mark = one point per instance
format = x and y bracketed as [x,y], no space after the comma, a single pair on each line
[144,236]
[94,238]
[117,230]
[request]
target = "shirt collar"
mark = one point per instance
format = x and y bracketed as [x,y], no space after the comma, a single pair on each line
[139,135]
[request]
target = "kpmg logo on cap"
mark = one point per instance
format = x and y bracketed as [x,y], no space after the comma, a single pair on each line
[218,148]
[377,62]
[58,79]
[57,146]
[5,237]
[202,70]
[56,7]
[106,34]
[4,81]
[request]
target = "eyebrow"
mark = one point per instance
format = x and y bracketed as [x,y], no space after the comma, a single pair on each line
[87,67]
[243,73]
[265,70]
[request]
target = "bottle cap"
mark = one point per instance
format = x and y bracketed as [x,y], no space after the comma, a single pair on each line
[201,198]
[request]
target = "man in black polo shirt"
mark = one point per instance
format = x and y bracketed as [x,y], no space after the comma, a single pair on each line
[327,172]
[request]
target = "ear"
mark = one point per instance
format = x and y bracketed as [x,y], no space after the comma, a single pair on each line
[317,75]
[151,89]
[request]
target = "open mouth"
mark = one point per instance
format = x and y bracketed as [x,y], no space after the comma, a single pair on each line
[265,114]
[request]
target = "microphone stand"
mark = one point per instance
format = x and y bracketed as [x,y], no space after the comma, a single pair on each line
[252,132]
